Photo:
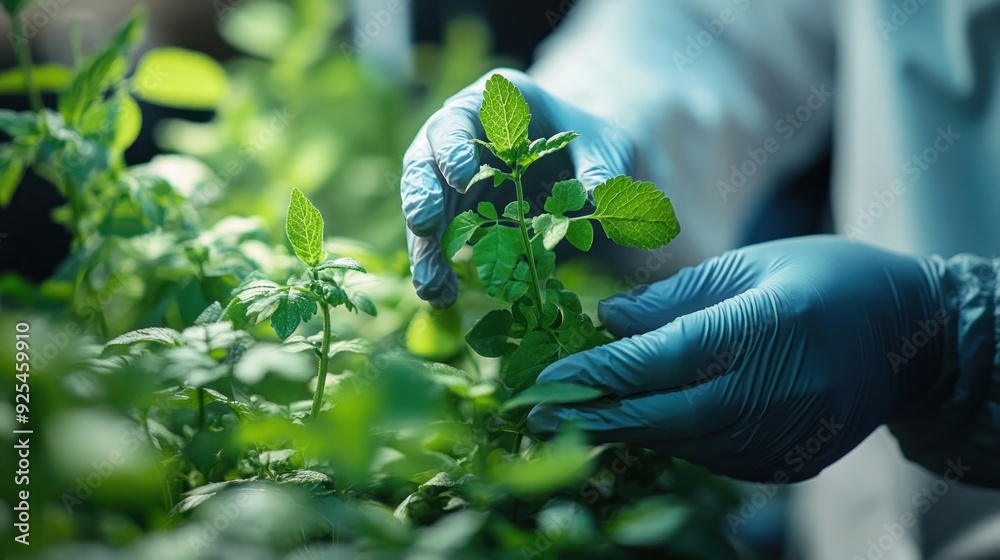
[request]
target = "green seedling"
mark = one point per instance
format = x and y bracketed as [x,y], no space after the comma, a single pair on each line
[322,286]
[513,250]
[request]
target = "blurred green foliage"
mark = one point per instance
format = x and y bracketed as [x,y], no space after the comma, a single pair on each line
[164,430]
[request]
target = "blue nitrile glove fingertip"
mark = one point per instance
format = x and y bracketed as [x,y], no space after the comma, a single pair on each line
[544,419]
[616,311]
[423,199]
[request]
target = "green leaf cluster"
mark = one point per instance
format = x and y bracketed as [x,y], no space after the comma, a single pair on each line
[513,251]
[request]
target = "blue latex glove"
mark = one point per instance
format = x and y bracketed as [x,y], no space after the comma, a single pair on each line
[768,363]
[443,159]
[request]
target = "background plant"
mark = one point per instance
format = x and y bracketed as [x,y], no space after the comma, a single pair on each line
[238,416]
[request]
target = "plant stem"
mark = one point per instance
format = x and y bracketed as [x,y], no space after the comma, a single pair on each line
[24,59]
[324,361]
[535,284]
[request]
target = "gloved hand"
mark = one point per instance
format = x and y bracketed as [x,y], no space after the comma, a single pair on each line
[768,363]
[443,159]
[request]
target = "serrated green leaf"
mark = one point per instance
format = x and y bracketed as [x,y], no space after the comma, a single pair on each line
[489,337]
[304,227]
[361,302]
[505,116]
[293,306]
[552,228]
[179,78]
[511,210]
[486,172]
[285,319]
[581,234]
[460,231]
[561,393]
[537,350]
[496,256]
[158,335]
[546,146]
[567,196]
[211,314]
[635,214]
[344,263]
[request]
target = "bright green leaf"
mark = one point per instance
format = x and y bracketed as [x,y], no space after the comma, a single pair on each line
[553,393]
[567,196]
[486,172]
[460,231]
[46,77]
[546,146]
[496,256]
[434,335]
[511,211]
[635,214]
[505,116]
[581,234]
[179,78]
[304,227]
[487,210]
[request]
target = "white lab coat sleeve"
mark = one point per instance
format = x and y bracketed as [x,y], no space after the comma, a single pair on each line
[725,98]
[956,432]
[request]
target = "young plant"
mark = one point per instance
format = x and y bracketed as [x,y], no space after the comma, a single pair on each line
[286,305]
[513,250]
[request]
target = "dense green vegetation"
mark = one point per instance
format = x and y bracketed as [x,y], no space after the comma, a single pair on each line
[224,369]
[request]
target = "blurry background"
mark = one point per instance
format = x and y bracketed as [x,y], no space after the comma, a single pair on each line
[302,113]
[507,31]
